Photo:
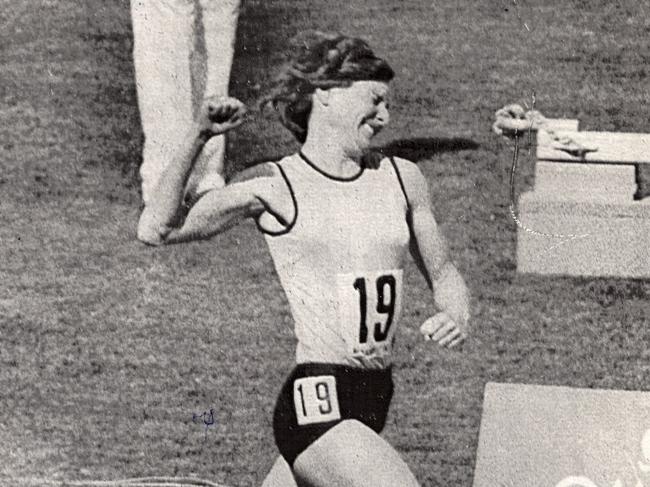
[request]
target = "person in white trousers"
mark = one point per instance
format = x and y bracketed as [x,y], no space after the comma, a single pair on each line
[163,43]
[164,35]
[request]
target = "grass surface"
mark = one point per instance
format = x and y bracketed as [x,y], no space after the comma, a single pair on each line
[107,347]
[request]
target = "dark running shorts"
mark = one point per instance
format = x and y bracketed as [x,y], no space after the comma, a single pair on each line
[316,397]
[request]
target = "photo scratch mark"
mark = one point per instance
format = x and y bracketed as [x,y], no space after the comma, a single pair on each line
[514,2]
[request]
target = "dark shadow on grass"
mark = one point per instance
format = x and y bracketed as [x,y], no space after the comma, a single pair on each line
[420,148]
[415,150]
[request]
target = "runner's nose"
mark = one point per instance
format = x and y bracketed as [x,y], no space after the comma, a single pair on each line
[382,116]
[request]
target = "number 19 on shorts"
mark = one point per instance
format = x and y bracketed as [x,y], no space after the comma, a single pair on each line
[315,399]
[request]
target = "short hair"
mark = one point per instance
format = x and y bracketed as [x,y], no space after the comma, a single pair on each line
[321,60]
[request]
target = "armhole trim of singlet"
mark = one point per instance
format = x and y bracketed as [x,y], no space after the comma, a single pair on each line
[401,184]
[268,209]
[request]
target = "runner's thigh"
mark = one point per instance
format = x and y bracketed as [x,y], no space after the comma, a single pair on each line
[280,475]
[352,455]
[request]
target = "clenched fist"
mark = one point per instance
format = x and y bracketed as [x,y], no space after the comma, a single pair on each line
[443,330]
[218,115]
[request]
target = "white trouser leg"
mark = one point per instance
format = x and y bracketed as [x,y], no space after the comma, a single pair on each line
[163,33]
[220,27]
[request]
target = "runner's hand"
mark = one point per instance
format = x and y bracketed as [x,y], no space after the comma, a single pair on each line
[218,115]
[443,330]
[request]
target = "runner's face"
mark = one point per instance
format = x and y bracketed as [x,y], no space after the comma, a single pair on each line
[358,113]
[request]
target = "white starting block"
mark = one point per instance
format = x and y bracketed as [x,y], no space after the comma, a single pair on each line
[581,218]
[547,436]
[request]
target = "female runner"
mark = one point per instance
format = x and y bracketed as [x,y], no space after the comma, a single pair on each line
[338,228]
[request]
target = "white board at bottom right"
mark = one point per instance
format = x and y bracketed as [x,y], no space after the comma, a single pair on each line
[547,436]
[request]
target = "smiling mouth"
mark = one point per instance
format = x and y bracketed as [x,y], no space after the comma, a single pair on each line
[372,129]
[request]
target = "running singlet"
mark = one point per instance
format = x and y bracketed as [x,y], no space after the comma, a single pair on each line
[341,261]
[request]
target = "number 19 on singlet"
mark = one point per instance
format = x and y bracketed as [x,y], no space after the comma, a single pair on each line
[385,305]
[370,304]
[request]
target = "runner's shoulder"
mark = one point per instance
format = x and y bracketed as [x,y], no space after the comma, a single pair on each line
[261,170]
[265,169]
[407,168]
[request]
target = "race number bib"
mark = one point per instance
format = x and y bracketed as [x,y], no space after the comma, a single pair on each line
[315,399]
[370,303]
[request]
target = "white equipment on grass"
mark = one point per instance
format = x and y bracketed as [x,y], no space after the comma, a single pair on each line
[581,217]
[550,436]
